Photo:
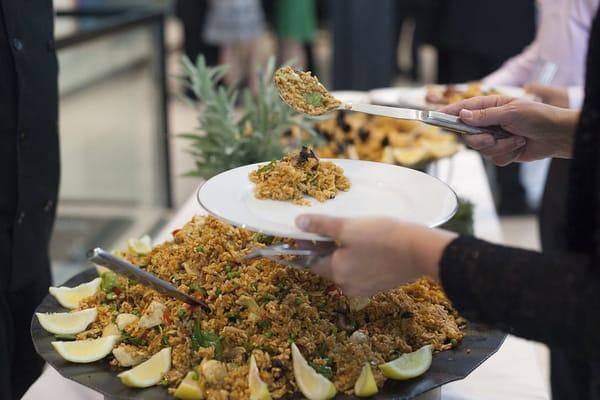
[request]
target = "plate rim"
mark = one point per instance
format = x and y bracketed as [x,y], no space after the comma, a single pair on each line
[313,236]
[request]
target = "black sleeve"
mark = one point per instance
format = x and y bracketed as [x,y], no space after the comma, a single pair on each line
[551,298]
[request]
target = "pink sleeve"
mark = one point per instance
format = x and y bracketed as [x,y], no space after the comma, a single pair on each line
[576,97]
[516,71]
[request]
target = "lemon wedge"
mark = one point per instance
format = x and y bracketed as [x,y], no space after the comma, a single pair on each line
[67,323]
[258,389]
[70,297]
[312,385]
[365,385]
[150,372]
[141,246]
[409,365]
[86,351]
[189,388]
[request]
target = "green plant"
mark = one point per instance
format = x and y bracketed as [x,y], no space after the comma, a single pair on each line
[229,136]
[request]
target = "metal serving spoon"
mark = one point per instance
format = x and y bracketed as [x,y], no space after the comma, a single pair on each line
[120,266]
[435,118]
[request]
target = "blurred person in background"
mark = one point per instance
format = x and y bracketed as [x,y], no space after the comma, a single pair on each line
[29,175]
[192,14]
[295,26]
[235,26]
[562,39]
[476,38]
[425,14]
[364,43]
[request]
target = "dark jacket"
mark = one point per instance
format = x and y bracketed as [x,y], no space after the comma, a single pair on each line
[497,29]
[552,297]
[29,156]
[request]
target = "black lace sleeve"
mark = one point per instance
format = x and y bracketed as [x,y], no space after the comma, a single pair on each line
[552,298]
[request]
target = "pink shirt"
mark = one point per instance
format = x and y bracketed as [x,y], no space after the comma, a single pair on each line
[561,38]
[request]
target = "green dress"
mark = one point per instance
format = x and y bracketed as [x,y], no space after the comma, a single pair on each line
[296,19]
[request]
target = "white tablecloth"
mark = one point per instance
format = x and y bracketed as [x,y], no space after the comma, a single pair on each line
[512,373]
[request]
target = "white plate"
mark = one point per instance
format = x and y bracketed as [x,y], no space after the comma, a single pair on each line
[414,97]
[351,96]
[377,189]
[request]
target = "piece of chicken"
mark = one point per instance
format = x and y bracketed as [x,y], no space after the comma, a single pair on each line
[153,316]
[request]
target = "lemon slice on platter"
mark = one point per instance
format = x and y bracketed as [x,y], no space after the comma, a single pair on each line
[68,323]
[141,246]
[312,385]
[150,372]
[189,388]
[86,351]
[409,365]
[258,389]
[365,385]
[70,297]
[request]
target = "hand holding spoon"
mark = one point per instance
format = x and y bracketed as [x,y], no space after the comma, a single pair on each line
[304,93]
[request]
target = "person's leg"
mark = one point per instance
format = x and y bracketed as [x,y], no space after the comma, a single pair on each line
[253,61]
[228,56]
[26,365]
[292,49]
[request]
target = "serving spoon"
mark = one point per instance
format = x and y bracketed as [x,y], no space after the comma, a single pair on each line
[446,121]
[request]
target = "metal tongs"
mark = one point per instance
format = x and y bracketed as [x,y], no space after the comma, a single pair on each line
[300,258]
[120,266]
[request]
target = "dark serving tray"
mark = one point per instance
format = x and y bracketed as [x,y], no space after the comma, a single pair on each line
[478,345]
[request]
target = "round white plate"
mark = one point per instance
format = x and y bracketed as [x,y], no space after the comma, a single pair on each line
[377,189]
[351,96]
[414,97]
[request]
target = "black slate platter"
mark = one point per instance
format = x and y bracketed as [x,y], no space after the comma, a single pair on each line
[479,344]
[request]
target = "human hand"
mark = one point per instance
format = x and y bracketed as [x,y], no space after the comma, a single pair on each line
[540,130]
[376,254]
[555,96]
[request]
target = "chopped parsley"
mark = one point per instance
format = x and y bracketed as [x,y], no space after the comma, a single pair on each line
[324,370]
[264,239]
[234,274]
[314,99]
[264,324]
[267,297]
[233,317]
[267,167]
[202,338]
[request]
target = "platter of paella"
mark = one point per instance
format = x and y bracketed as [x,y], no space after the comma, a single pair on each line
[272,331]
